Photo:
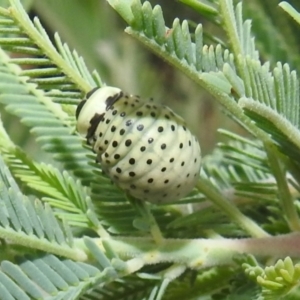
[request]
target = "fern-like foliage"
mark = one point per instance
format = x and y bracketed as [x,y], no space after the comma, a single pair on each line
[29,225]
[45,277]
[31,39]
[84,238]
[56,188]
[24,218]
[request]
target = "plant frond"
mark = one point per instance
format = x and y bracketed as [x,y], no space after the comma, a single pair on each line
[130,288]
[46,119]
[238,30]
[113,270]
[68,198]
[263,186]
[192,286]
[175,44]
[46,277]
[53,66]
[274,36]
[240,171]
[121,218]
[284,134]
[206,221]
[244,160]
[278,89]
[29,223]
[274,98]
[240,167]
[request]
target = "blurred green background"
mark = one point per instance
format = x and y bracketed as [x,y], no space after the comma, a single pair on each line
[97,33]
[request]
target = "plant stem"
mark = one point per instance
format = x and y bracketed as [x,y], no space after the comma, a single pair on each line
[202,253]
[290,10]
[205,187]
[285,197]
[19,238]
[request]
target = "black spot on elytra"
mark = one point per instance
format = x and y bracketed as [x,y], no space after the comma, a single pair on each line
[132,161]
[140,127]
[128,143]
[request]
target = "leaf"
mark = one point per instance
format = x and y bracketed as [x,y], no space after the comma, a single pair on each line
[290,10]
[29,223]
[61,69]
[46,277]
